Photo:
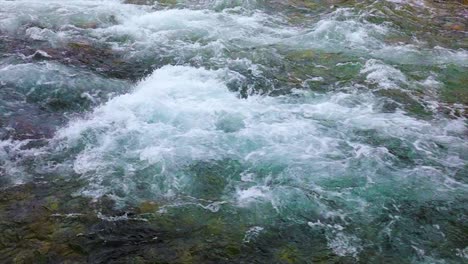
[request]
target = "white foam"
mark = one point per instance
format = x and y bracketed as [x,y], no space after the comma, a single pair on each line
[341,30]
[252,233]
[202,37]
[172,119]
[382,74]
[247,196]
[299,151]
[345,245]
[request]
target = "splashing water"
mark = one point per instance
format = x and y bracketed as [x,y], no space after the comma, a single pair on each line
[263,131]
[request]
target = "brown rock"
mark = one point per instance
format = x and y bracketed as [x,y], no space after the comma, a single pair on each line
[147,207]
[457,27]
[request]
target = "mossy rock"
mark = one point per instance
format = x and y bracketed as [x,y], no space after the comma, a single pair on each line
[406,101]
[168,2]
[140,2]
[151,2]
[52,204]
[455,88]
[301,55]
[288,255]
[148,207]
[317,69]
[395,146]
[42,230]
[215,226]
[208,180]
[24,257]
[233,250]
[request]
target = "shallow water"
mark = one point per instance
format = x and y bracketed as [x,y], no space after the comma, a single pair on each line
[233,131]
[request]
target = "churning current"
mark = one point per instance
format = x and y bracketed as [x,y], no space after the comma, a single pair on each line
[233,131]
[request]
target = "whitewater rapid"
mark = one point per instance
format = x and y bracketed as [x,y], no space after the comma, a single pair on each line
[332,123]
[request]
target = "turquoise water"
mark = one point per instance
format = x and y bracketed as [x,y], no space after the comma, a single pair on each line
[233,131]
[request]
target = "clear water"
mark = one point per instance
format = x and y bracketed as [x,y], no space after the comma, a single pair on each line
[239,131]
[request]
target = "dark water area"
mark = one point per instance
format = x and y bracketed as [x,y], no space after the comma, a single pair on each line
[233,131]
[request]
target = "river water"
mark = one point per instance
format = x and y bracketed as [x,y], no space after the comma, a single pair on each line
[230,131]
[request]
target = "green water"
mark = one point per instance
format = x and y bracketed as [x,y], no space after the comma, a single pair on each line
[233,131]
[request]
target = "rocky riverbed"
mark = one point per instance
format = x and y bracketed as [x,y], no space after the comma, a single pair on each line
[233,131]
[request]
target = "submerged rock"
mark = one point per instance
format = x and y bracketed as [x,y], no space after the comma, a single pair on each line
[148,207]
[287,132]
[406,101]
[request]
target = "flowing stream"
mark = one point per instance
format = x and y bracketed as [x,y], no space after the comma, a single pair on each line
[233,131]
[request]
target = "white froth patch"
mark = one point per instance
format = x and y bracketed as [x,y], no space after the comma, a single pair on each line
[462,252]
[12,155]
[182,115]
[347,30]
[64,18]
[252,233]
[204,36]
[8,166]
[345,245]
[185,33]
[341,30]
[382,74]
[250,195]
